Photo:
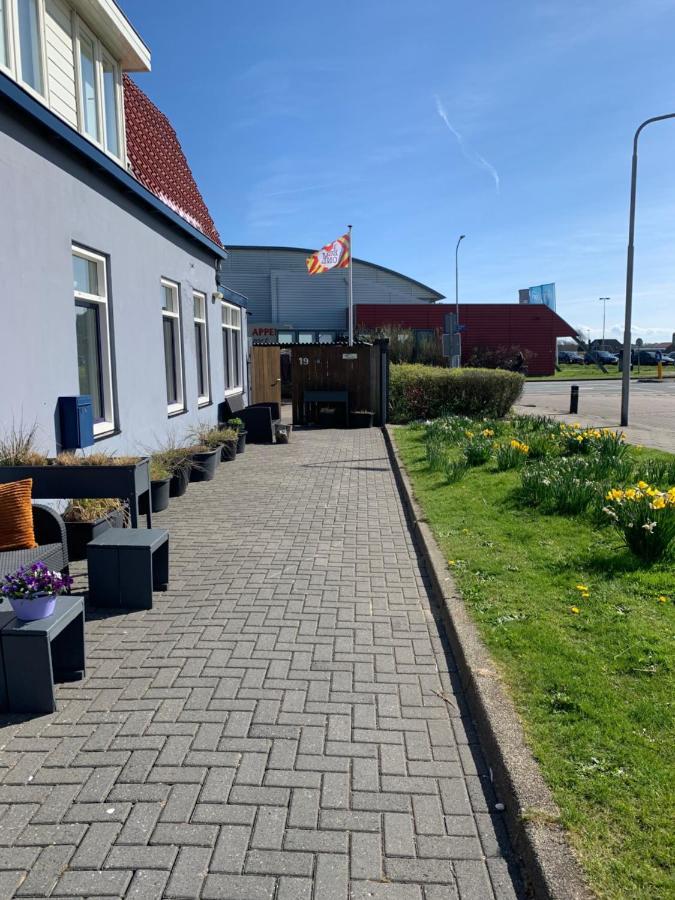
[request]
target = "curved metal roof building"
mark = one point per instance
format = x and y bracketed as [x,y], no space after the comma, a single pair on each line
[282,296]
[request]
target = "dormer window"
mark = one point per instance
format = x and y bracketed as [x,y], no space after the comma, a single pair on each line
[4,30]
[29,33]
[99,92]
[21,42]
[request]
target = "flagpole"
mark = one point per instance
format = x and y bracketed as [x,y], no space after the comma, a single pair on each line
[351,290]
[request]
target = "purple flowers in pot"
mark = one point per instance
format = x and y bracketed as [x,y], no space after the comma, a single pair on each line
[33,581]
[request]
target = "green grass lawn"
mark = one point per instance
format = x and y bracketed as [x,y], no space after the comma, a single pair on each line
[595,689]
[585,373]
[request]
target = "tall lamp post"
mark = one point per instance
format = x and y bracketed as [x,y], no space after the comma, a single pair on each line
[604,310]
[626,358]
[457,357]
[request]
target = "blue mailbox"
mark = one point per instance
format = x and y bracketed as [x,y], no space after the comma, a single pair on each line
[76,416]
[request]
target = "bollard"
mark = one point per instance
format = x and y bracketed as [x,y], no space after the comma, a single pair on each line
[659,370]
[574,399]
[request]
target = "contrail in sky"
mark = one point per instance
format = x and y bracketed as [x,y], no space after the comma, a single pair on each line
[469,154]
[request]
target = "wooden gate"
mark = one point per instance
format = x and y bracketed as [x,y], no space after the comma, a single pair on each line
[360,371]
[265,374]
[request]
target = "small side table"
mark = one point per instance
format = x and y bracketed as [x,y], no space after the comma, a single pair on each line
[126,565]
[36,654]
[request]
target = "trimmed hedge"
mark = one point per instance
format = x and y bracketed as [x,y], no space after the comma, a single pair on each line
[427,392]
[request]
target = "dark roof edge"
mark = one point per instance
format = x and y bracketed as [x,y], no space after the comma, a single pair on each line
[230,294]
[83,148]
[365,262]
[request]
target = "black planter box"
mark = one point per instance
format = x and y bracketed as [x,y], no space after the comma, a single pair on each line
[361,419]
[241,442]
[79,534]
[52,482]
[229,451]
[159,492]
[178,484]
[159,496]
[204,465]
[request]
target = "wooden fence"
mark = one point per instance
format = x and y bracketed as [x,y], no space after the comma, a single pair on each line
[361,370]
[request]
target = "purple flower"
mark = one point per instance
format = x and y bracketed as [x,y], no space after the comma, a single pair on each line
[35,579]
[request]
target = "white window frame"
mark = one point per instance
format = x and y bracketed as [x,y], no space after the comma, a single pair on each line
[100,53]
[13,67]
[203,359]
[227,329]
[179,405]
[8,66]
[107,424]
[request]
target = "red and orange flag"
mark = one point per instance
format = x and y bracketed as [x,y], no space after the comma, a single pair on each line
[332,256]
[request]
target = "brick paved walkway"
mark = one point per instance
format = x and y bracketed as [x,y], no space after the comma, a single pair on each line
[275,727]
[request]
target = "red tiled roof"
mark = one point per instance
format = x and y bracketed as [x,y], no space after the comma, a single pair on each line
[158,162]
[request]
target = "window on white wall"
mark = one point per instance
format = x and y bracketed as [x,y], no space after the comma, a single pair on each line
[172,349]
[99,92]
[231,327]
[88,89]
[4,31]
[111,121]
[201,348]
[29,48]
[92,330]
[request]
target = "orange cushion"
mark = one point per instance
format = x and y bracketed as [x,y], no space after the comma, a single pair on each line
[16,516]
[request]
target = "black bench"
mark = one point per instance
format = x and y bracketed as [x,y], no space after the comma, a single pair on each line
[126,565]
[33,655]
[316,398]
[261,420]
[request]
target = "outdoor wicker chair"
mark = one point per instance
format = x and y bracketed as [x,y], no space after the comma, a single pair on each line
[261,420]
[52,549]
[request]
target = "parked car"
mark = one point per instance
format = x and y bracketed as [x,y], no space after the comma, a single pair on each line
[600,356]
[651,358]
[570,356]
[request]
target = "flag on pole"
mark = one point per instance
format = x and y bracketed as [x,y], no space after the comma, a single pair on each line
[333,256]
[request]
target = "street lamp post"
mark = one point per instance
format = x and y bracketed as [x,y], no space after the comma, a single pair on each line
[457,357]
[626,358]
[604,310]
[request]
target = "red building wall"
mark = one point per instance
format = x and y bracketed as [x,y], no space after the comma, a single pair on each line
[531,327]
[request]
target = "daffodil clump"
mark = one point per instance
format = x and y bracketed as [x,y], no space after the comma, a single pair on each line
[511,455]
[477,448]
[645,516]
[603,441]
[567,486]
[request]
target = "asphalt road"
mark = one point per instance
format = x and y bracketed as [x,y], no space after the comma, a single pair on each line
[651,407]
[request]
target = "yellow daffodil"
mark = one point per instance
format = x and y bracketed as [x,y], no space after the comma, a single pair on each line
[575,610]
[662,599]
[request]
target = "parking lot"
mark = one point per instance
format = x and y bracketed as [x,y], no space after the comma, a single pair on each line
[651,408]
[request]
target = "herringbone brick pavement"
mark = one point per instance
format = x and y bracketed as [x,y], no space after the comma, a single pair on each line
[284,723]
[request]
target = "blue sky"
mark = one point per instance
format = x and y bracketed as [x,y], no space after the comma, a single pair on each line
[510,122]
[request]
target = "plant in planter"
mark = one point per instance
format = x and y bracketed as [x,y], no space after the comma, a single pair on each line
[160,483]
[87,518]
[224,438]
[203,461]
[17,448]
[100,458]
[176,458]
[362,418]
[238,425]
[32,591]
[73,474]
